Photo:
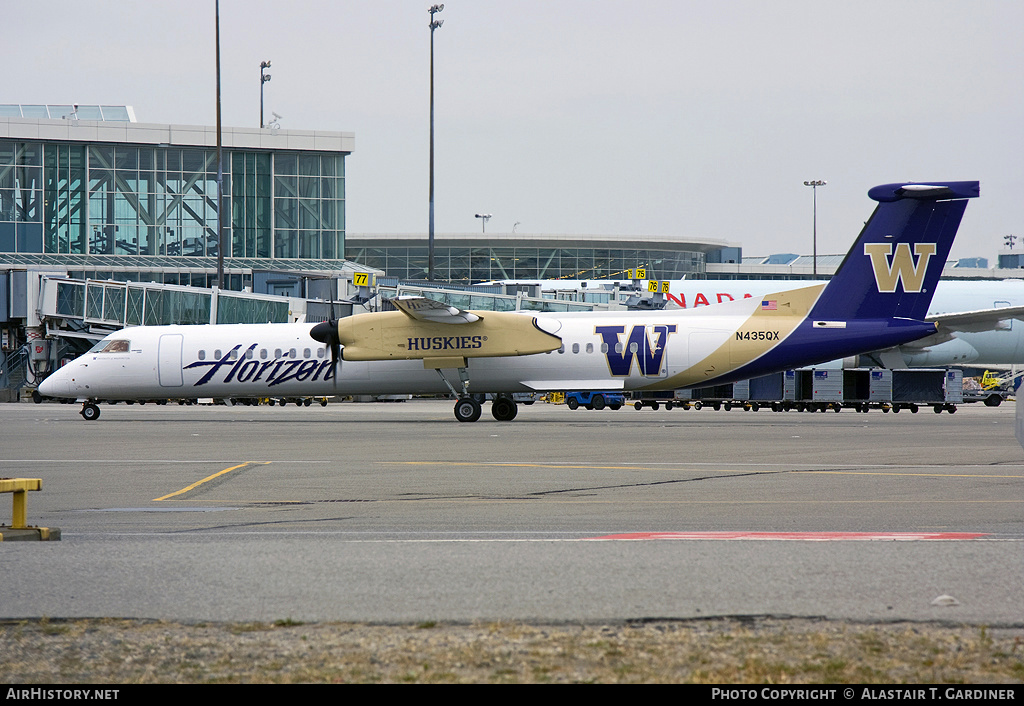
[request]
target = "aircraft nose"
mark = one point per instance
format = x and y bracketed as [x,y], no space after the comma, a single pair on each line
[57,385]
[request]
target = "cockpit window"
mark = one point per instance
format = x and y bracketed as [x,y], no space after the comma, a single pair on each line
[116,345]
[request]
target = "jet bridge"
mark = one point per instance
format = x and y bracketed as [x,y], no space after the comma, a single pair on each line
[90,309]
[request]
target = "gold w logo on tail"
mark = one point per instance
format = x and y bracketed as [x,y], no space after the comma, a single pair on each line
[901,267]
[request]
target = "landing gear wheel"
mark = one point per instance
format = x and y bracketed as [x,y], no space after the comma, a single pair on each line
[503,409]
[90,412]
[467,409]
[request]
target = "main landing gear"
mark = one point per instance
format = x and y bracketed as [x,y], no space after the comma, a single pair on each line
[504,408]
[90,411]
[467,406]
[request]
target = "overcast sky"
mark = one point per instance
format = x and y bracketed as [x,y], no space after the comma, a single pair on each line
[664,117]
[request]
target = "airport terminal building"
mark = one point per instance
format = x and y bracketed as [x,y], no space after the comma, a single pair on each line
[89,190]
[468,258]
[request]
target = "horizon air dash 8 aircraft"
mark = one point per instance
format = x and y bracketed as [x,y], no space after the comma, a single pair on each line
[877,300]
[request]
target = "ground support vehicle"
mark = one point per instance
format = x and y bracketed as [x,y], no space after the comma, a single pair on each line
[594,400]
[992,388]
[823,390]
[655,399]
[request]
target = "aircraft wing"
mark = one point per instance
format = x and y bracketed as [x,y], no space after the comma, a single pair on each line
[574,384]
[977,321]
[423,309]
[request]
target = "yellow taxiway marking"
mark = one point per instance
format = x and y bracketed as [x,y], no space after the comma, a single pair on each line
[209,478]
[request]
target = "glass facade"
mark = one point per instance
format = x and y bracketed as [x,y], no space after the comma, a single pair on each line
[485,263]
[113,199]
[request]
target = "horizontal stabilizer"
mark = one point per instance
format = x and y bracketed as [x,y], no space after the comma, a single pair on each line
[423,309]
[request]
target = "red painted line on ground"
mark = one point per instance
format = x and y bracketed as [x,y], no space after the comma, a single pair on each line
[800,536]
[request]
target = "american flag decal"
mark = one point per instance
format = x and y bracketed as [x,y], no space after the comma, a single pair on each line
[769,305]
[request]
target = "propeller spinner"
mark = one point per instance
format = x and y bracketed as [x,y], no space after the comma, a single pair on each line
[327,332]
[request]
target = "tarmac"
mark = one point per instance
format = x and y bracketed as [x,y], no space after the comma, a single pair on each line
[395,512]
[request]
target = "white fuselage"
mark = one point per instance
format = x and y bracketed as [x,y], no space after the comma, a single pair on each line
[282,360]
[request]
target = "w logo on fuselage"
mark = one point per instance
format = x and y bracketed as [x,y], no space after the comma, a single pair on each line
[902,267]
[639,346]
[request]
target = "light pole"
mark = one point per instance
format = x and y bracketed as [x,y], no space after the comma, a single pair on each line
[814,188]
[220,165]
[434,24]
[484,217]
[264,77]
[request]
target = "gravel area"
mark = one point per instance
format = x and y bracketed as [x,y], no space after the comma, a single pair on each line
[755,650]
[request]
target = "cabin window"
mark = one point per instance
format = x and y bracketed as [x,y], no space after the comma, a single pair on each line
[216,354]
[263,353]
[233,354]
[277,353]
[561,348]
[292,353]
[321,353]
[604,347]
[202,355]
[248,354]
[575,348]
[618,347]
[590,348]
[306,353]
[632,347]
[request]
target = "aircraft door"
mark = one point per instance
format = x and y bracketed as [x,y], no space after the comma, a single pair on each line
[999,345]
[1005,324]
[169,360]
[654,359]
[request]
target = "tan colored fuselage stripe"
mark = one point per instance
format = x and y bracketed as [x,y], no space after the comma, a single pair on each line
[791,308]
